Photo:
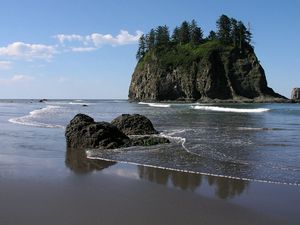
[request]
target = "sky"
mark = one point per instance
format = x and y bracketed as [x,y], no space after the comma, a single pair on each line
[86,48]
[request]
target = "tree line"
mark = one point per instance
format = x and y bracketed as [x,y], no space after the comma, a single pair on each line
[229,32]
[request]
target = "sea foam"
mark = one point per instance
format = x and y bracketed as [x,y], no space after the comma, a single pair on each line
[228,109]
[162,105]
[30,119]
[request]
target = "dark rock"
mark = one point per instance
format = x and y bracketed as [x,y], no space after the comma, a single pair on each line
[295,94]
[222,74]
[43,100]
[84,132]
[84,105]
[134,124]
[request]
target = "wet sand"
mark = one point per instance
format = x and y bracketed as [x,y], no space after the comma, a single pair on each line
[97,192]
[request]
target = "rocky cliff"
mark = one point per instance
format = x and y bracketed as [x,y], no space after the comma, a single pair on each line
[210,72]
[295,94]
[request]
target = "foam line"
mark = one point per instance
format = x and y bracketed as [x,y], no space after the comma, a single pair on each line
[79,103]
[192,172]
[28,120]
[155,104]
[227,109]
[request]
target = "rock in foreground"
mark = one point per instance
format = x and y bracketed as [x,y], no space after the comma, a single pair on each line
[83,132]
[134,124]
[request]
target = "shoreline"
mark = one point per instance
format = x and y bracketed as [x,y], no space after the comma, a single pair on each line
[194,172]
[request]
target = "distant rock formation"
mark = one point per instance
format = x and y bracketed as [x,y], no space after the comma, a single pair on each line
[295,94]
[217,73]
[43,100]
[83,132]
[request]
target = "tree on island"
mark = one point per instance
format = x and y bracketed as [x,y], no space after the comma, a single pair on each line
[224,29]
[230,32]
[150,39]
[184,33]
[162,36]
[196,34]
[212,35]
[142,47]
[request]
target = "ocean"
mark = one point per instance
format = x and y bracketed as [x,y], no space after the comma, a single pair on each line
[251,142]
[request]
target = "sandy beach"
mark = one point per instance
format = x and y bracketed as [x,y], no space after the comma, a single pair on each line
[96,192]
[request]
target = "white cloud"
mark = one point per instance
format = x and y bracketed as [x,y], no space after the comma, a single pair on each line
[97,39]
[5,65]
[21,50]
[83,49]
[71,37]
[15,79]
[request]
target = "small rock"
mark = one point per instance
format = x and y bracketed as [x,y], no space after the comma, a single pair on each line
[43,100]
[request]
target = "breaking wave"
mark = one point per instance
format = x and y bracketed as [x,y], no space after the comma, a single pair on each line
[227,109]
[162,105]
[32,118]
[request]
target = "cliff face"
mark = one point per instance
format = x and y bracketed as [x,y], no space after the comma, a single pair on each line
[295,94]
[218,74]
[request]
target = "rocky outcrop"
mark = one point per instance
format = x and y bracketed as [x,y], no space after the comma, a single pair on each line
[219,74]
[134,124]
[83,132]
[295,94]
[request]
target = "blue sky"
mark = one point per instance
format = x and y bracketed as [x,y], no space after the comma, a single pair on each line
[86,48]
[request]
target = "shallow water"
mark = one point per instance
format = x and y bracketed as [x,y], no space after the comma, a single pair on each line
[246,141]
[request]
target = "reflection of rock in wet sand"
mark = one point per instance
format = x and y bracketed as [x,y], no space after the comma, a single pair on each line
[225,187]
[184,181]
[77,161]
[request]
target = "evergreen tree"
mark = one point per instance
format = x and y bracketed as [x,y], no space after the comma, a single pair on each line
[248,35]
[176,35]
[162,36]
[224,29]
[196,34]
[150,39]
[142,48]
[212,35]
[242,31]
[234,32]
[184,33]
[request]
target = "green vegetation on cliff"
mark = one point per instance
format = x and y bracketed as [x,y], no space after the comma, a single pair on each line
[187,42]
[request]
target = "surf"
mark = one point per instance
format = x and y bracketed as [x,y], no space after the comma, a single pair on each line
[31,118]
[229,109]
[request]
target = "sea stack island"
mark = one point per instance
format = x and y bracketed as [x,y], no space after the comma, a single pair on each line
[222,67]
